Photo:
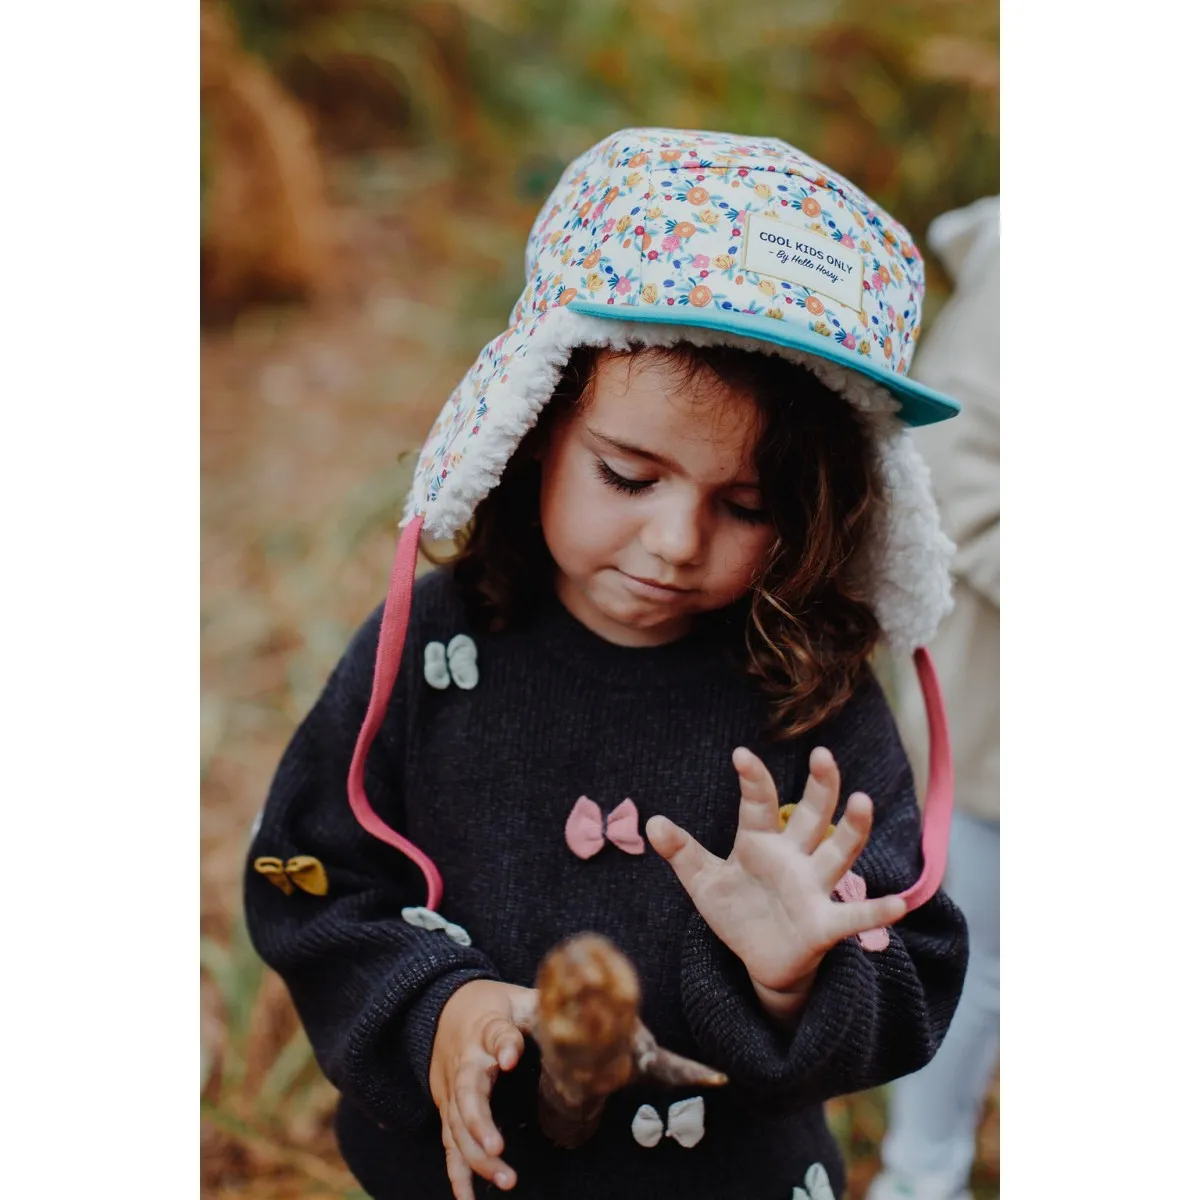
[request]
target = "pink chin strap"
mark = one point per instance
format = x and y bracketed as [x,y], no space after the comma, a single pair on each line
[387,666]
[939,798]
[939,795]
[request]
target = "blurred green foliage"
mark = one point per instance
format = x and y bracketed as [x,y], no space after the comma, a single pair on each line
[900,96]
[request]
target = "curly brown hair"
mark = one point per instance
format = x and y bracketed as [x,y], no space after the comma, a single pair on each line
[809,629]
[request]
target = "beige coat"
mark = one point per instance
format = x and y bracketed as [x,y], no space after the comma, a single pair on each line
[961,356]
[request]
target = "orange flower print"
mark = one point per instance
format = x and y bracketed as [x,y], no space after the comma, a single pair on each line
[684,229]
[821,328]
[592,259]
[809,207]
[647,241]
[858,217]
[584,209]
[724,261]
[670,155]
[814,306]
[638,159]
[887,347]
[885,274]
[890,237]
[650,293]
[611,195]
[568,295]
[699,296]
[697,196]
[624,223]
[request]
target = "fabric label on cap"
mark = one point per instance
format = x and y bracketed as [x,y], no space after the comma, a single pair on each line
[804,257]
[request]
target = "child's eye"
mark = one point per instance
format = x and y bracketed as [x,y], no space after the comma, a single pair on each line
[619,482]
[750,516]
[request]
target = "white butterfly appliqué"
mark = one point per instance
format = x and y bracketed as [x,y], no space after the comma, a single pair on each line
[426,918]
[457,661]
[685,1123]
[816,1185]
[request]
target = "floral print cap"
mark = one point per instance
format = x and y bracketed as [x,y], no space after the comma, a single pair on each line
[749,235]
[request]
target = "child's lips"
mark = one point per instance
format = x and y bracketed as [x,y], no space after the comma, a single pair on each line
[654,589]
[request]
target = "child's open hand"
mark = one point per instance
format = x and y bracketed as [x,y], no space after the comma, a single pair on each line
[480,1033]
[771,900]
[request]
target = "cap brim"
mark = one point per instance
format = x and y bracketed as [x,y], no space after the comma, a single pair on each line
[919,405]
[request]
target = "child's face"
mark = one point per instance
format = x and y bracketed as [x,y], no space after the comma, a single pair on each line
[650,503]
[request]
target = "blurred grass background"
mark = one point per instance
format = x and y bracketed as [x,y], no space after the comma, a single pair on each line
[369,171]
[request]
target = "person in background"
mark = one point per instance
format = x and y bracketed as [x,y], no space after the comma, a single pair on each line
[930,1146]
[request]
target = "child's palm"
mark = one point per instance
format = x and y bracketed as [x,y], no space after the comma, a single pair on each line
[771,901]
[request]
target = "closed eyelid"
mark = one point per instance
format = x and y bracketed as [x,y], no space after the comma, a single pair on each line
[635,458]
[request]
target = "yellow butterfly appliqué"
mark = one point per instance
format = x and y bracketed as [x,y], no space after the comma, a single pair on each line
[302,871]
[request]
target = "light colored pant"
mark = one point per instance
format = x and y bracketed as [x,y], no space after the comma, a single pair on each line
[935,1112]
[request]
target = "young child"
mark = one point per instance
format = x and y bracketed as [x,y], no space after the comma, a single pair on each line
[691,510]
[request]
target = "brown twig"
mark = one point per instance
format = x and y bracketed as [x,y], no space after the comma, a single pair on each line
[592,1040]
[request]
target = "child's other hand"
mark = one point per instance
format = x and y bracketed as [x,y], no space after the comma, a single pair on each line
[479,1034]
[771,901]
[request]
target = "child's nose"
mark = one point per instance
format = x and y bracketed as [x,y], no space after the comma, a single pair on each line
[676,534]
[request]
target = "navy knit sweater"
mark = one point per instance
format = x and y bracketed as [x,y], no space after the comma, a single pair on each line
[483,781]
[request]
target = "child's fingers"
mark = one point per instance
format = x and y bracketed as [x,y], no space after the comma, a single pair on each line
[472,1093]
[687,857]
[467,1099]
[457,1170]
[810,819]
[837,854]
[759,809]
[848,920]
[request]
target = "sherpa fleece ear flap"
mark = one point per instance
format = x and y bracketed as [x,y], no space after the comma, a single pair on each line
[939,800]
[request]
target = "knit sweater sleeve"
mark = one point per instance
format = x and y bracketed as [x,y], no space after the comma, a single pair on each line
[368,986]
[871,1016]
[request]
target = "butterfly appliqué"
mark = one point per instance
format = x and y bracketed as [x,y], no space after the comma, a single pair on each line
[685,1124]
[457,661]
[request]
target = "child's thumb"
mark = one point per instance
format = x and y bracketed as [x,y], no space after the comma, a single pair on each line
[505,1043]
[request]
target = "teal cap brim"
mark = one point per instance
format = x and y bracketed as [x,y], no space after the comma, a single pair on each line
[919,405]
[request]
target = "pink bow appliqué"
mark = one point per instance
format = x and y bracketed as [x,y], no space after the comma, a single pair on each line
[853,887]
[587,829]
